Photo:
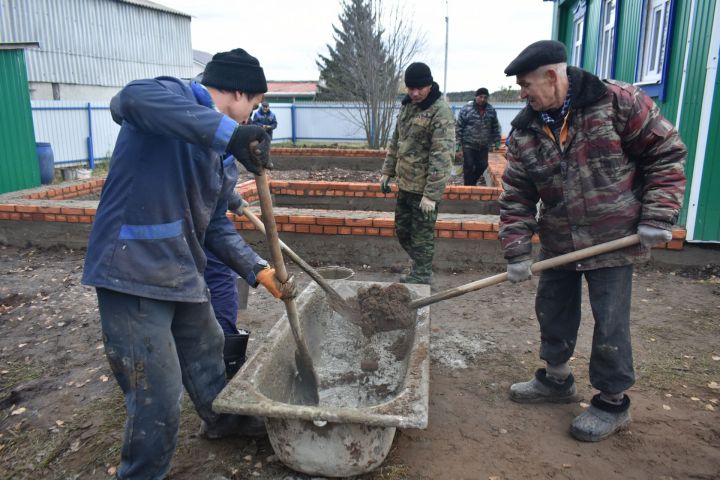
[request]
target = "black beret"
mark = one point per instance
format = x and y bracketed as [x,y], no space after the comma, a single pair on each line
[482,91]
[544,52]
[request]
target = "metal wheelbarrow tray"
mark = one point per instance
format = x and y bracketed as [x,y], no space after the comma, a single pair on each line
[368,387]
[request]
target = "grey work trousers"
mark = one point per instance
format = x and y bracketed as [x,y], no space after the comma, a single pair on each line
[557,307]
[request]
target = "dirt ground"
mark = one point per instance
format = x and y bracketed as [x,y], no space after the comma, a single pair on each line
[61,413]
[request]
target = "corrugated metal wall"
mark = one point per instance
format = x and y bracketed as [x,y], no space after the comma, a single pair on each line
[707,224]
[97,42]
[18,160]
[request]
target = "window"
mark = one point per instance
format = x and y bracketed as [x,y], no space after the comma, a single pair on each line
[654,40]
[576,54]
[606,53]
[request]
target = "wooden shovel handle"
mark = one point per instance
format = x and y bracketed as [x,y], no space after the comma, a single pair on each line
[536,267]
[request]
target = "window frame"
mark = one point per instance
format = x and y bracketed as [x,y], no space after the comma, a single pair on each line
[612,48]
[579,16]
[655,88]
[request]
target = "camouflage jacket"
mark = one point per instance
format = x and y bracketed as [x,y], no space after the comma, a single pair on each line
[477,131]
[422,147]
[621,164]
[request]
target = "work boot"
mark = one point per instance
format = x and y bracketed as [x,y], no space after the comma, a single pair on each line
[234,352]
[234,426]
[601,420]
[542,389]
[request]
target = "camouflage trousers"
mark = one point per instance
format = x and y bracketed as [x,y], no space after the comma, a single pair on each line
[416,233]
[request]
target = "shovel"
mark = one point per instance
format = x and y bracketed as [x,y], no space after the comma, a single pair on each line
[336,302]
[307,393]
[536,267]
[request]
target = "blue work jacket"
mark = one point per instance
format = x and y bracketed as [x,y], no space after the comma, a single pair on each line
[165,196]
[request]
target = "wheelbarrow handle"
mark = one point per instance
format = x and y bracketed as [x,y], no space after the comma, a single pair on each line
[536,267]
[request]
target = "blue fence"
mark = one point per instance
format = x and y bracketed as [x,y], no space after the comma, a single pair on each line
[83,132]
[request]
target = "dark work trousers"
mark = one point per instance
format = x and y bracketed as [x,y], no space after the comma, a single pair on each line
[557,307]
[415,232]
[222,282]
[155,347]
[475,161]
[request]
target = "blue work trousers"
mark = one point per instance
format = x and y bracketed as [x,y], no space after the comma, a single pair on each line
[155,348]
[557,307]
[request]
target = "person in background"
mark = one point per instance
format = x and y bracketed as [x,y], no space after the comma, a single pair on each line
[164,199]
[477,131]
[266,119]
[419,157]
[603,163]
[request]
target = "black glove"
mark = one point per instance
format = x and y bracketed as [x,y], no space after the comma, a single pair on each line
[255,159]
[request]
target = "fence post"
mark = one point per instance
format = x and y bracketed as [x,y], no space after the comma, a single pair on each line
[293,121]
[91,153]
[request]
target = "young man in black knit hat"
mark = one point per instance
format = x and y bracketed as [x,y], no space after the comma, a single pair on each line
[165,197]
[419,157]
[476,131]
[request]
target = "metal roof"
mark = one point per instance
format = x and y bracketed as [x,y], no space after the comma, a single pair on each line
[154,6]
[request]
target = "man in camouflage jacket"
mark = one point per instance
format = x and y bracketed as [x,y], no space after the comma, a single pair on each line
[419,157]
[588,161]
[476,131]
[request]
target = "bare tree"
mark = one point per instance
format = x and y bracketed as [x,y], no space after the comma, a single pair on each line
[372,48]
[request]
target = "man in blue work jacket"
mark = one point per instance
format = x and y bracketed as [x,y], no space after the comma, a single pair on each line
[165,198]
[265,118]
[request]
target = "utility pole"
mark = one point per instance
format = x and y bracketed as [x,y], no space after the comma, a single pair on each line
[447,28]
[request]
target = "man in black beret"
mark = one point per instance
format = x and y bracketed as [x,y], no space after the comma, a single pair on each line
[588,161]
[164,200]
[476,131]
[419,157]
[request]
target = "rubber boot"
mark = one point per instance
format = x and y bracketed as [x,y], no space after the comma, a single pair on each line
[541,389]
[234,426]
[601,420]
[234,353]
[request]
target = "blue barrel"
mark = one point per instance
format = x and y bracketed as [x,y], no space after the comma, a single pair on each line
[46,160]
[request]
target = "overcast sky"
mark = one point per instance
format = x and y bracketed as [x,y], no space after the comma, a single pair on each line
[288,35]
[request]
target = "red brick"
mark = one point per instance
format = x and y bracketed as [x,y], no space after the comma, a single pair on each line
[302,228]
[372,231]
[443,233]
[316,229]
[38,217]
[28,208]
[50,209]
[460,234]
[4,216]
[279,183]
[302,219]
[360,194]
[85,218]
[7,208]
[496,227]
[72,219]
[344,230]
[89,211]
[675,245]
[358,186]
[475,235]
[287,227]
[330,230]
[358,230]
[679,234]
[282,219]
[61,218]
[477,226]
[359,222]
[490,236]
[330,221]
[72,211]
[349,194]
[383,222]
[387,232]
[447,225]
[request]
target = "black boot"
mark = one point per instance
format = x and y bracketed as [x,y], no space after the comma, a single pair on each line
[234,352]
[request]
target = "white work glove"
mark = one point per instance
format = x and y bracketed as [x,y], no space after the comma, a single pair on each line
[651,236]
[427,206]
[519,271]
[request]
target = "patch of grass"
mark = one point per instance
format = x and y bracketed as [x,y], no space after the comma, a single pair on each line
[392,472]
[18,373]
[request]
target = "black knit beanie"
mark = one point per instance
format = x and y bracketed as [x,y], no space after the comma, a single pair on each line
[235,70]
[418,75]
[482,91]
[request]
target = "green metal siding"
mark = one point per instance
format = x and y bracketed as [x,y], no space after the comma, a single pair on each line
[18,160]
[592,35]
[628,40]
[707,223]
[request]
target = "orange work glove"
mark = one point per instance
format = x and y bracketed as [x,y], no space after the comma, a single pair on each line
[266,277]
